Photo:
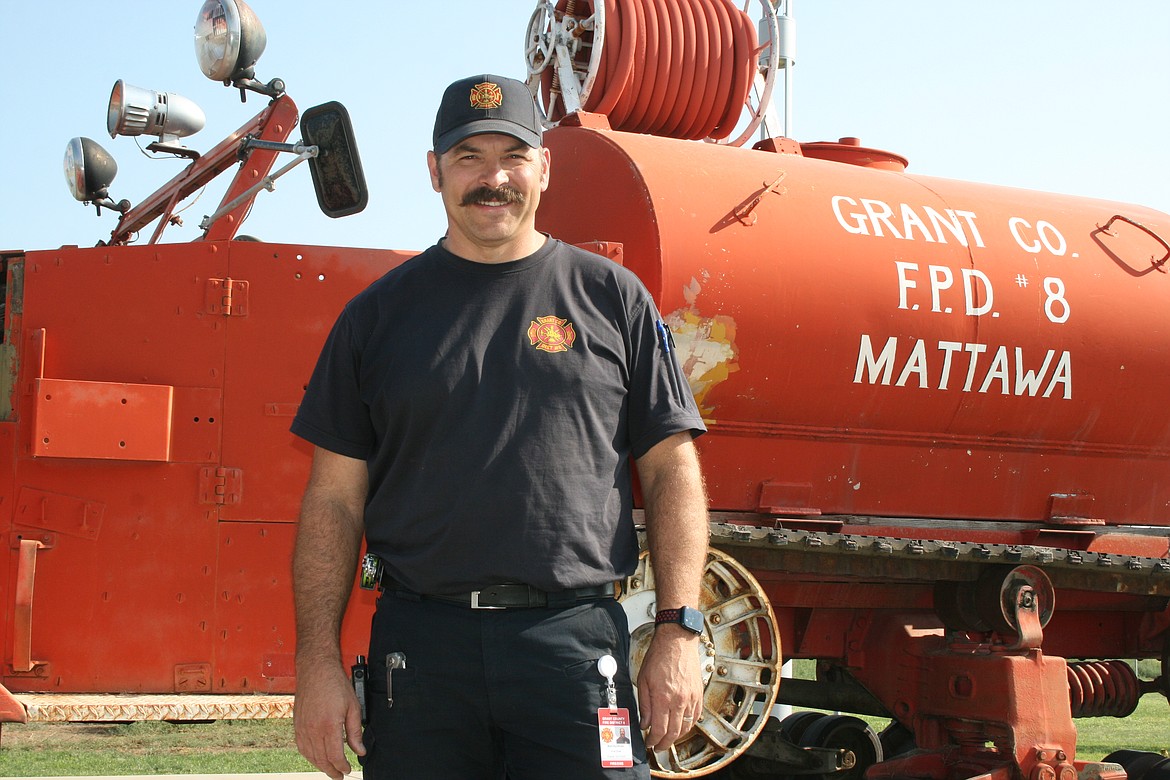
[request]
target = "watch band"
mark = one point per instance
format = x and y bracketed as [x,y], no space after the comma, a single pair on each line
[689,618]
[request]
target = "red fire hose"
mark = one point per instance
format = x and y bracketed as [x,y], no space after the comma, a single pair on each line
[677,68]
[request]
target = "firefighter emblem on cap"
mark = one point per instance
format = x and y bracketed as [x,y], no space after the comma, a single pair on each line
[551,334]
[486,95]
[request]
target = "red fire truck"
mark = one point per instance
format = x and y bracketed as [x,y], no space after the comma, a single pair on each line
[936,432]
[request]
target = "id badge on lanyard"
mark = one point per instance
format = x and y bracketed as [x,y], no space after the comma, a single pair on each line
[613,722]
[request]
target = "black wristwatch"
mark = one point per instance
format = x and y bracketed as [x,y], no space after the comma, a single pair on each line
[688,617]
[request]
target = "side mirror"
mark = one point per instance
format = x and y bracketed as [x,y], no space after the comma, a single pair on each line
[337,169]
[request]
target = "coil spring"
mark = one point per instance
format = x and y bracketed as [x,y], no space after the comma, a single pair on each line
[1102,688]
[569,9]
[676,68]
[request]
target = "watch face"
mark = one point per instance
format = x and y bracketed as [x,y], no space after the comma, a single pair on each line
[691,619]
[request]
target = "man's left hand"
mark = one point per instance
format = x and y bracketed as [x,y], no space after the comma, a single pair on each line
[670,686]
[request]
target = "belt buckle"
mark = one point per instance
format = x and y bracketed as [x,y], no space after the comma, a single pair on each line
[475,602]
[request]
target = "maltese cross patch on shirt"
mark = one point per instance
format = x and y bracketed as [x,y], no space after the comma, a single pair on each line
[551,334]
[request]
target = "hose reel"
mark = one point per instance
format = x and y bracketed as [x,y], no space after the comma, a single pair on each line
[675,68]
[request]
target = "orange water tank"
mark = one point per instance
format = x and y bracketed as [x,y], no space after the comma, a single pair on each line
[865,341]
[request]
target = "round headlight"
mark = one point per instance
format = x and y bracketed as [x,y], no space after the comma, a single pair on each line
[89,169]
[229,39]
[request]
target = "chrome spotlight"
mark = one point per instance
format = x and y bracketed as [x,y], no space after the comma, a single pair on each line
[137,111]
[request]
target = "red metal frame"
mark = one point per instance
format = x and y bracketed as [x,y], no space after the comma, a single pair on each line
[274,123]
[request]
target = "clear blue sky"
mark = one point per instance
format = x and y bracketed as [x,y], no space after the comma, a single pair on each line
[1057,95]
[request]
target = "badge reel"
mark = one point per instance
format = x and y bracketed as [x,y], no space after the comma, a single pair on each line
[613,722]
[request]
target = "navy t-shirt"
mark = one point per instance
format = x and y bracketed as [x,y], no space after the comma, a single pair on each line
[497,407]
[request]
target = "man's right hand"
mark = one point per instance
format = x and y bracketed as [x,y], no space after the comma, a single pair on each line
[329,538]
[326,718]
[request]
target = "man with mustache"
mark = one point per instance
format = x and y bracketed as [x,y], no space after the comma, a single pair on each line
[474,412]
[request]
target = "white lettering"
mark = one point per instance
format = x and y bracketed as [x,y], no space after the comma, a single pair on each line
[1049,236]
[949,349]
[1029,381]
[911,220]
[941,279]
[1049,233]
[879,214]
[951,223]
[879,217]
[1062,375]
[1014,225]
[998,370]
[859,226]
[917,362]
[883,364]
[915,365]
[969,218]
[975,350]
[904,283]
[970,276]
[1054,286]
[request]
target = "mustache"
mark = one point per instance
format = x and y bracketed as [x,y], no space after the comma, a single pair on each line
[483,194]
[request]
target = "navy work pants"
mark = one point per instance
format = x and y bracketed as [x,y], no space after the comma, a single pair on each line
[494,694]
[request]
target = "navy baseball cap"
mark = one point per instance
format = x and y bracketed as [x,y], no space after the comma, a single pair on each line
[486,104]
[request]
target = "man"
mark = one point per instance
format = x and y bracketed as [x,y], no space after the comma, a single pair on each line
[473,413]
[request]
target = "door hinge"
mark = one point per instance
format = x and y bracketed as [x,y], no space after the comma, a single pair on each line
[220,485]
[227,297]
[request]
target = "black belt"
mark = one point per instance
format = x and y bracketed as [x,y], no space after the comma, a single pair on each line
[510,596]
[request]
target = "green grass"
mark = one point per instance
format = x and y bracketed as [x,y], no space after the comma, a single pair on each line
[242,746]
[1147,729]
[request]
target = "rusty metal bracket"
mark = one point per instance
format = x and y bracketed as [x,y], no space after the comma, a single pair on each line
[1026,616]
[26,569]
[612,250]
[1157,265]
[744,212]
